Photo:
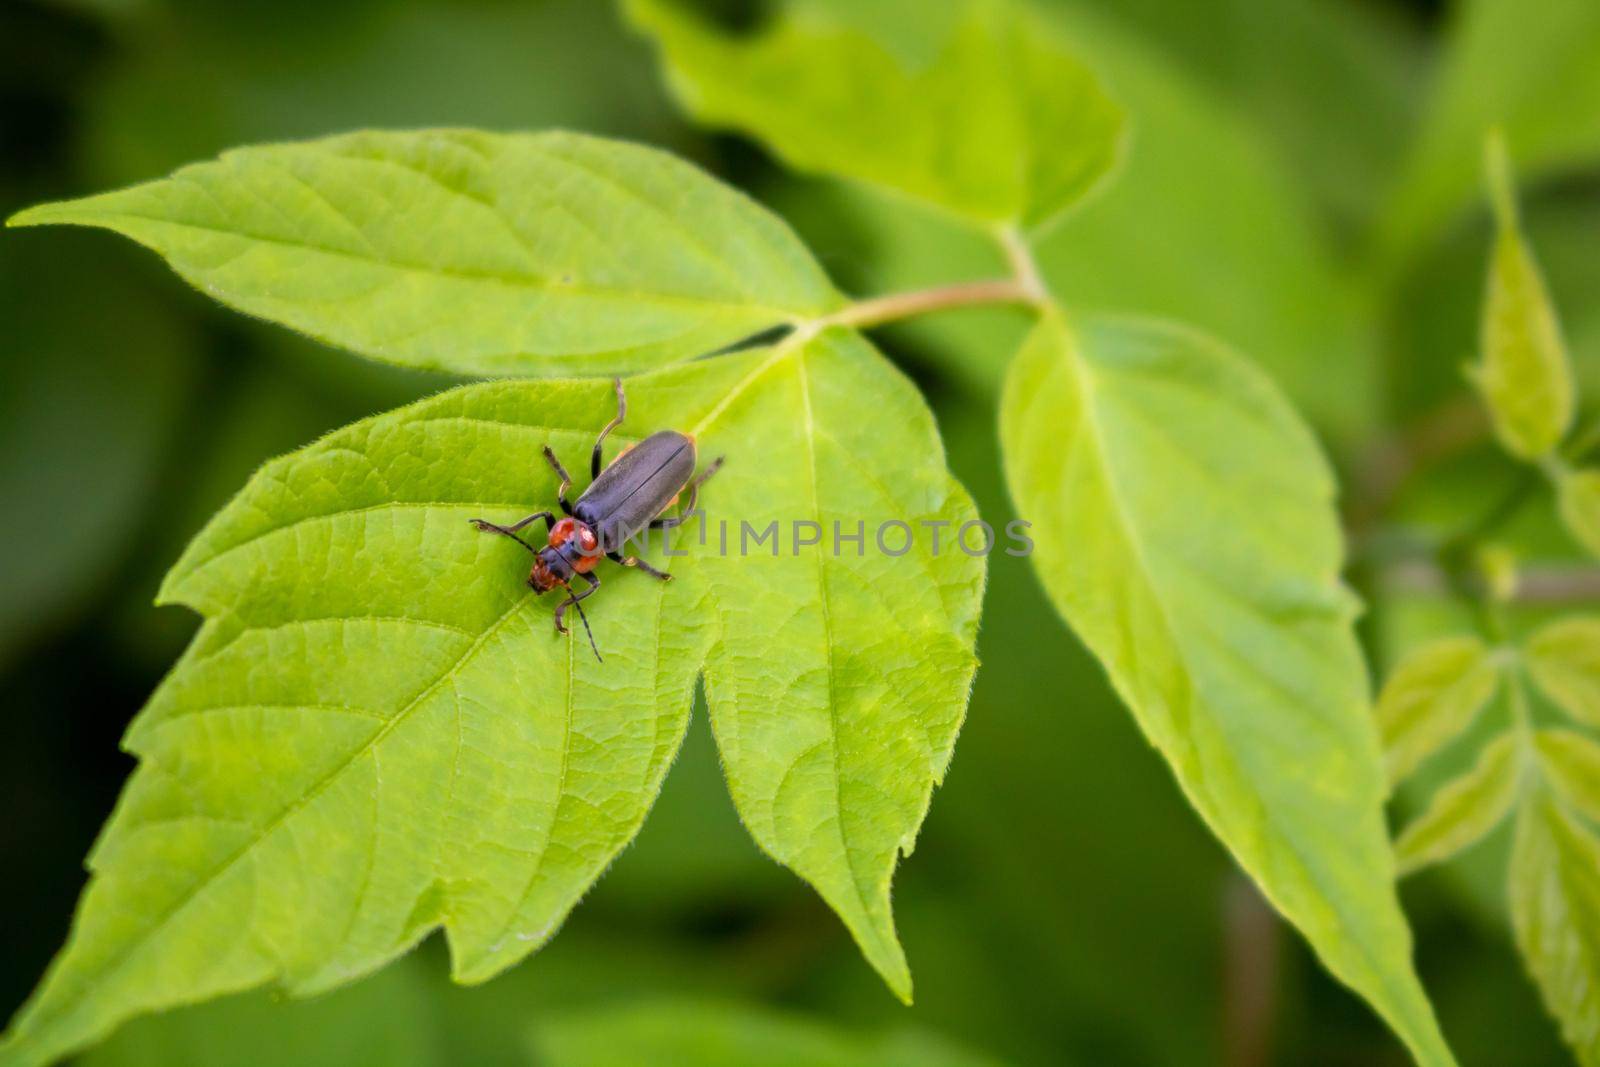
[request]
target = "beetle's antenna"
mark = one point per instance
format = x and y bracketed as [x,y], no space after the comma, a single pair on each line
[579,605]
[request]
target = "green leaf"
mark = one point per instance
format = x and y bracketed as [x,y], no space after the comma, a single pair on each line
[1430,698]
[1578,499]
[426,751]
[1330,82]
[1464,810]
[473,252]
[1196,173]
[1564,659]
[385,1021]
[1185,528]
[1571,762]
[1532,68]
[1524,373]
[679,1033]
[994,119]
[1555,910]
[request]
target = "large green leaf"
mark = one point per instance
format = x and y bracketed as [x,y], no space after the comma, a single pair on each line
[1555,909]
[1431,697]
[679,1033]
[473,252]
[377,732]
[990,117]
[1185,527]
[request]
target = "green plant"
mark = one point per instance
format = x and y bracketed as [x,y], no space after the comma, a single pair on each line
[375,736]
[1548,774]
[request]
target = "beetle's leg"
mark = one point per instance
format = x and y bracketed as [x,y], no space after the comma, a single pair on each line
[622,412]
[694,493]
[566,479]
[549,523]
[511,531]
[635,561]
[561,608]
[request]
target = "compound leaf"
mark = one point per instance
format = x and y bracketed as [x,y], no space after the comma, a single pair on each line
[377,731]
[1555,910]
[1185,528]
[1430,698]
[1564,659]
[1578,499]
[473,252]
[1464,809]
[1524,373]
[996,121]
[686,1033]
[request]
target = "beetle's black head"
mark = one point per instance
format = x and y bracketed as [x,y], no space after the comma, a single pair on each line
[550,569]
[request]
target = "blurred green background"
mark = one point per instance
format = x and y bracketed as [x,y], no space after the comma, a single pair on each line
[1303,182]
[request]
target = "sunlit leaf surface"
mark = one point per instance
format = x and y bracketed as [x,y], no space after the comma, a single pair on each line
[377,731]
[473,252]
[1186,531]
[994,119]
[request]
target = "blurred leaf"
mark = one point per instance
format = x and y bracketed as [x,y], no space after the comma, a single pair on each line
[1578,494]
[1524,374]
[1199,186]
[1430,698]
[1555,909]
[197,77]
[1571,762]
[679,1033]
[1464,810]
[1186,529]
[409,667]
[473,252]
[1002,125]
[1564,659]
[117,9]
[1201,213]
[1436,319]
[1329,82]
[90,387]
[384,1021]
[1532,68]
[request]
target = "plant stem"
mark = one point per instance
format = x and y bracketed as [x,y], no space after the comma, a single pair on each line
[1024,286]
[1024,269]
[896,306]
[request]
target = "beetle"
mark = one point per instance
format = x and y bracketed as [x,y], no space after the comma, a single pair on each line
[626,497]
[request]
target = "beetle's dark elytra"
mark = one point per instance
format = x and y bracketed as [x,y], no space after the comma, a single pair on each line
[622,500]
[638,485]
